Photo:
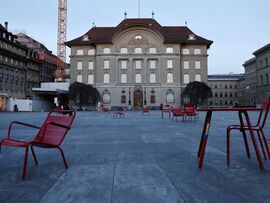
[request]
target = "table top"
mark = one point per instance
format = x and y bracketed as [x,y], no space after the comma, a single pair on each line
[231,109]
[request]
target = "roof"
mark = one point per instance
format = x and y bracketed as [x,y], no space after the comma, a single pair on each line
[225,76]
[264,48]
[171,34]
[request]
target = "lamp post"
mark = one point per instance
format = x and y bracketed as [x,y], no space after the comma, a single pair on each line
[145,95]
[129,101]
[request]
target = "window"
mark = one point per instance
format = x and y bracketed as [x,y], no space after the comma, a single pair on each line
[123,50]
[153,99]
[138,64]
[169,50]
[106,64]
[124,64]
[138,78]
[91,52]
[170,98]
[186,64]
[152,64]
[123,99]
[79,52]
[231,94]
[197,64]
[226,94]
[79,78]
[79,65]
[197,51]
[90,65]
[266,61]
[261,80]
[169,63]
[267,79]
[186,78]
[185,51]
[106,50]
[90,79]
[123,78]
[106,78]
[152,78]
[106,98]
[138,50]
[226,86]
[198,77]
[169,78]
[235,94]
[152,50]
[230,86]
[221,95]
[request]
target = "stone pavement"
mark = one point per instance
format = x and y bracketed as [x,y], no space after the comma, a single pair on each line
[136,159]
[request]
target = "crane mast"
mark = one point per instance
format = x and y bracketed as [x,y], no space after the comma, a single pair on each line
[61,38]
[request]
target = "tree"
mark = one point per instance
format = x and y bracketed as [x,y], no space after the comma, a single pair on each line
[87,94]
[197,90]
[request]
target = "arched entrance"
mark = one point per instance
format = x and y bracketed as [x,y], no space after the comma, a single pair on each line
[138,98]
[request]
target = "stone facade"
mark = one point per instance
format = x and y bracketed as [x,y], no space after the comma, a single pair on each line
[225,89]
[139,62]
[257,76]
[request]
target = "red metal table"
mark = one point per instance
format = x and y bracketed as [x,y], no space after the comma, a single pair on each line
[207,123]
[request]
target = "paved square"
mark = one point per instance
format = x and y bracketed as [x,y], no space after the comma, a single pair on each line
[136,159]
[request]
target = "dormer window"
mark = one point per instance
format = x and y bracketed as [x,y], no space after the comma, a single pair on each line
[191,37]
[85,38]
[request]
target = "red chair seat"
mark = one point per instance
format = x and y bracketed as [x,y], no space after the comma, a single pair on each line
[14,143]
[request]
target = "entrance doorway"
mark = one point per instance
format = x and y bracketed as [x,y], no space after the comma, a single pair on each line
[138,98]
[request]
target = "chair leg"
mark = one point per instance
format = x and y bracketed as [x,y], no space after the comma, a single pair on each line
[246,143]
[266,144]
[63,156]
[260,140]
[25,163]
[228,146]
[34,155]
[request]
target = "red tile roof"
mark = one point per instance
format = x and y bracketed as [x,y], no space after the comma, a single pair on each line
[171,34]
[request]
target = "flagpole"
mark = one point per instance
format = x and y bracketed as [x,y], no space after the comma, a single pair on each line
[139,9]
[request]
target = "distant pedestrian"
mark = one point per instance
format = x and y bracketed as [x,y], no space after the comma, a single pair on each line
[161,106]
[15,108]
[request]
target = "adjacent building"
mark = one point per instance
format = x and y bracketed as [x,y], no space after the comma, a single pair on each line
[139,62]
[225,89]
[257,73]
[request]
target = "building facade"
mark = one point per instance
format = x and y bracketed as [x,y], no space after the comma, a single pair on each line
[139,62]
[257,73]
[13,66]
[225,89]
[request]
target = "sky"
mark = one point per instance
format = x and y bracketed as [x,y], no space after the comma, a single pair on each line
[237,27]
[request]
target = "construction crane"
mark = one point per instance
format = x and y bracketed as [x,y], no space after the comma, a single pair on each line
[61,38]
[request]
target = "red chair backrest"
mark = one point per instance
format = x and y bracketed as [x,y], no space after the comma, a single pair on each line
[264,112]
[189,109]
[54,135]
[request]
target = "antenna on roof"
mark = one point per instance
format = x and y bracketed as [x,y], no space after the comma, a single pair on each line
[139,8]
[93,24]
[153,15]
[186,23]
[125,14]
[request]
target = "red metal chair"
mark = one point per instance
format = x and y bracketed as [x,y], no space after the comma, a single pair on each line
[190,111]
[50,135]
[258,128]
[166,109]
[177,112]
[145,110]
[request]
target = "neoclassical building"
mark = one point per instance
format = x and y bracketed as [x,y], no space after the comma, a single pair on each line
[139,62]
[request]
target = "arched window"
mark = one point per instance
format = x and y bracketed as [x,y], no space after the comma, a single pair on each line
[186,78]
[261,80]
[106,78]
[169,78]
[90,65]
[138,50]
[198,77]
[186,64]
[266,61]
[152,78]
[90,79]
[79,52]
[106,64]
[185,51]
[106,97]
[79,65]
[170,96]
[267,78]
[197,64]
[123,64]
[152,50]
[197,51]
[91,52]
[152,64]
[106,50]
[124,50]
[138,78]
[123,78]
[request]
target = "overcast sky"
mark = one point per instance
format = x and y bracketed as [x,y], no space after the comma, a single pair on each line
[237,27]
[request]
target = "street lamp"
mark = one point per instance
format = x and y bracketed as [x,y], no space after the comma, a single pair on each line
[145,95]
[129,101]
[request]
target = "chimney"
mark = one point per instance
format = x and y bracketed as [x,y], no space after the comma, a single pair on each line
[6,25]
